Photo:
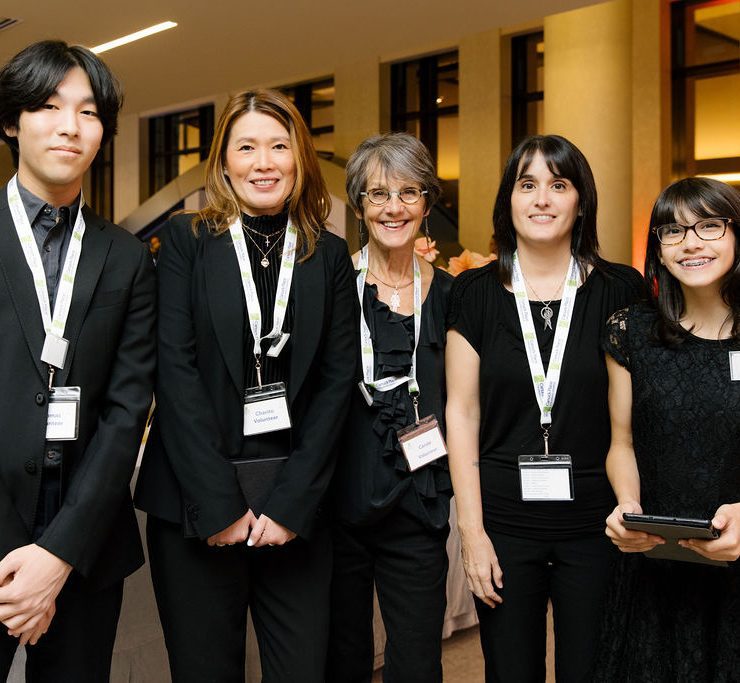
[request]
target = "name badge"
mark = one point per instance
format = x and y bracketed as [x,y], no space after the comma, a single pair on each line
[266,409]
[735,366]
[54,350]
[422,442]
[63,418]
[546,477]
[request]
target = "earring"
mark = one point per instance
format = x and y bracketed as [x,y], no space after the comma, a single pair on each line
[426,232]
[359,230]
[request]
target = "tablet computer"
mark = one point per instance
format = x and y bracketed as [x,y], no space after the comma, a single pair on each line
[670,527]
[673,529]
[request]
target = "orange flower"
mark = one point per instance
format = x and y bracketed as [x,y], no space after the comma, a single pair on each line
[467,260]
[154,245]
[426,250]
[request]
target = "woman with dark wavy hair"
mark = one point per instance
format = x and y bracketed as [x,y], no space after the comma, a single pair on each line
[256,363]
[674,399]
[527,446]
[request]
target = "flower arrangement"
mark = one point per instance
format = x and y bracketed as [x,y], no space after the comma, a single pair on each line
[426,249]
[467,260]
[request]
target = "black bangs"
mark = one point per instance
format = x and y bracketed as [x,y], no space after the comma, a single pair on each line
[701,197]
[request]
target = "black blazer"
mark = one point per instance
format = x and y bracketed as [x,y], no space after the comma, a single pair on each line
[111,357]
[185,475]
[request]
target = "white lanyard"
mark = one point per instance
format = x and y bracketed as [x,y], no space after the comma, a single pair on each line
[53,324]
[254,312]
[366,340]
[545,386]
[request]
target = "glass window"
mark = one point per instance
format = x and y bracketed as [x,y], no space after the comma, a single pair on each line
[425,103]
[101,182]
[706,88]
[315,101]
[177,143]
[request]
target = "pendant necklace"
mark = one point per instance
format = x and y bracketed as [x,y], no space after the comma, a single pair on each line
[546,311]
[395,302]
[261,234]
[265,261]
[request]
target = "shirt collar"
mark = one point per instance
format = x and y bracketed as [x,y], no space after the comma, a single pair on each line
[35,205]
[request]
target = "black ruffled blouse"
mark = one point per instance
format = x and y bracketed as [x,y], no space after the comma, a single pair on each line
[372,475]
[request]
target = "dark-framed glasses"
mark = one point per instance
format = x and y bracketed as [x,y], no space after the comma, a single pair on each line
[707,229]
[379,196]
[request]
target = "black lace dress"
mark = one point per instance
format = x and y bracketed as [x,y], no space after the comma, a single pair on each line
[666,620]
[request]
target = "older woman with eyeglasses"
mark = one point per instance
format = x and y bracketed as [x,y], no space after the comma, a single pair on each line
[392,488]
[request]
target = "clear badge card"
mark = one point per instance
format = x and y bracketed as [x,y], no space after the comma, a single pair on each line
[266,409]
[422,442]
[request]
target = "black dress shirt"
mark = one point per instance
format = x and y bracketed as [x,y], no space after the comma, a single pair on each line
[52,230]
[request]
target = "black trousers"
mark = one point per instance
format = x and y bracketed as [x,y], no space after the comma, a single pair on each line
[574,574]
[407,563]
[203,594]
[78,646]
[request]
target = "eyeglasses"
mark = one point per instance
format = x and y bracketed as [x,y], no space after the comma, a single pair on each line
[378,196]
[708,229]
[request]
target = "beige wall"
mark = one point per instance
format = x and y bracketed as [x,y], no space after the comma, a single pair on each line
[480,136]
[650,115]
[356,104]
[588,99]
[126,160]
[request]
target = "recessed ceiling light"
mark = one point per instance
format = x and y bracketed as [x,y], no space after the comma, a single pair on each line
[131,37]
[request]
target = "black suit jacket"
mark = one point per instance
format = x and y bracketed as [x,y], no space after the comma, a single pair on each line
[111,357]
[200,383]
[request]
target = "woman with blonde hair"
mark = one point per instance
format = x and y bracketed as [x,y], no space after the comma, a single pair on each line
[256,363]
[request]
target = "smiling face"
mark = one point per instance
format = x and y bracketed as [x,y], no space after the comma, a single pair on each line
[393,225]
[58,142]
[259,163]
[544,206]
[699,264]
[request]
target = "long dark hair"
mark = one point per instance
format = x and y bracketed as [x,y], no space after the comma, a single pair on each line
[565,160]
[703,198]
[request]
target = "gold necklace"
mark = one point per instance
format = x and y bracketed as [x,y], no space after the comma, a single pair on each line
[395,302]
[265,261]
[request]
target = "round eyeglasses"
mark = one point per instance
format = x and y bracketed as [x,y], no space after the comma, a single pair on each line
[379,196]
[707,229]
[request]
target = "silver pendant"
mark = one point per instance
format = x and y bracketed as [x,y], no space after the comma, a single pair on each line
[395,301]
[266,263]
[546,314]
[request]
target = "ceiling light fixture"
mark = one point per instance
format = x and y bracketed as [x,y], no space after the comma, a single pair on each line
[131,37]
[724,177]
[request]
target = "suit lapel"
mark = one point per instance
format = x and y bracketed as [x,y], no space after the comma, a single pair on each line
[95,248]
[310,293]
[19,281]
[225,302]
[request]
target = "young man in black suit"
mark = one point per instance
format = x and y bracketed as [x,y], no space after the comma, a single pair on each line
[77,355]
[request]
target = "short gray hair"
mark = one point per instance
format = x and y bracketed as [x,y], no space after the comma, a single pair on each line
[397,154]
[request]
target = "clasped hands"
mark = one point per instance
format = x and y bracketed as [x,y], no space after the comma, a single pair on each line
[30,581]
[257,532]
[726,547]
